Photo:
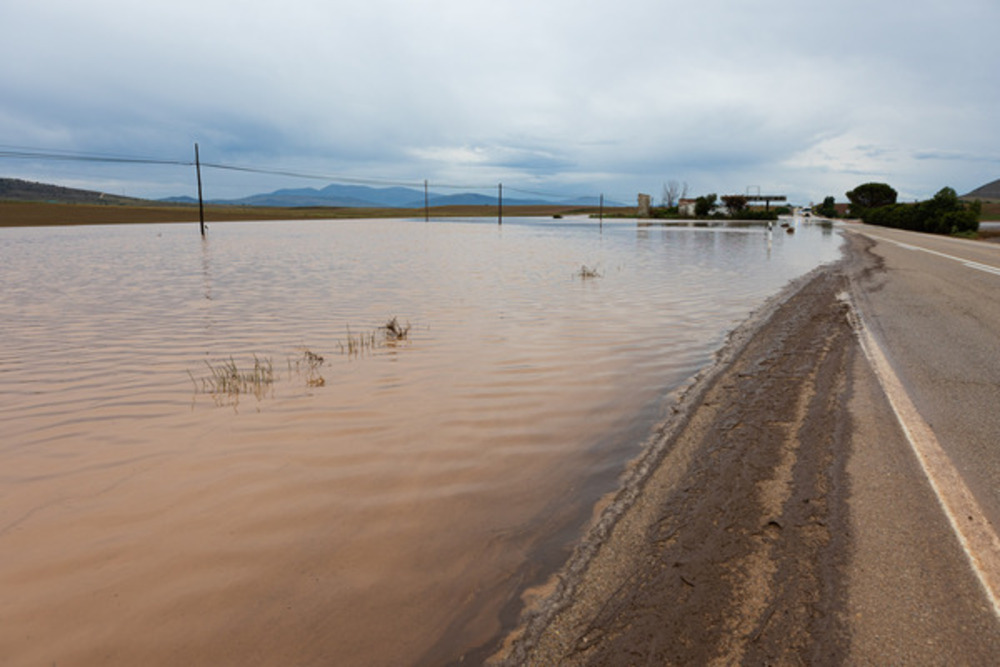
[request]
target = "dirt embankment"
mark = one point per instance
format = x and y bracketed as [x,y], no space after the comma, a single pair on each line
[730,543]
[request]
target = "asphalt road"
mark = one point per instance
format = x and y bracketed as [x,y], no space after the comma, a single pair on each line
[935,310]
[930,304]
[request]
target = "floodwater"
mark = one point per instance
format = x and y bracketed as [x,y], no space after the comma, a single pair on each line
[386,505]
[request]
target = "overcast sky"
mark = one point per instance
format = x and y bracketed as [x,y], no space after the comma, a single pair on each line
[800,97]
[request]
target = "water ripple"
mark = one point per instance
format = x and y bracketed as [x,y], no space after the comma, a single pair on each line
[374,504]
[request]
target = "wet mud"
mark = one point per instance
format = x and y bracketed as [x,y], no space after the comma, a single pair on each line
[730,542]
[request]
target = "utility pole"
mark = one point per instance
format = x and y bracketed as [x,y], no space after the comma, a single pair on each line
[201,203]
[500,205]
[427,211]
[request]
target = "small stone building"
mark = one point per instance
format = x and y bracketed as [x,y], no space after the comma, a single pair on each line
[642,210]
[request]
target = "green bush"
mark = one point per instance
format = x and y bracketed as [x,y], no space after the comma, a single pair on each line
[944,214]
[827,209]
[667,212]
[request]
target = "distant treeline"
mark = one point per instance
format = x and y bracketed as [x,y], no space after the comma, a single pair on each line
[736,208]
[945,213]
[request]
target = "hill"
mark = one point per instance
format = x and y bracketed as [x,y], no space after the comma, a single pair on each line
[15,189]
[988,191]
[331,196]
[353,196]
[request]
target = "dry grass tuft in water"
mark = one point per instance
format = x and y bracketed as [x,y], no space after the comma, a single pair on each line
[308,365]
[227,381]
[389,333]
[586,272]
[395,331]
[358,344]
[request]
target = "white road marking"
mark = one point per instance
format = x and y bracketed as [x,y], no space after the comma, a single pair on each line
[978,539]
[966,262]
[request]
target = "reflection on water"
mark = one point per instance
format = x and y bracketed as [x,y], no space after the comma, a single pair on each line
[383,515]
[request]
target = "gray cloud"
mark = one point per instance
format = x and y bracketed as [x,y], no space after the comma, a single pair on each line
[806,96]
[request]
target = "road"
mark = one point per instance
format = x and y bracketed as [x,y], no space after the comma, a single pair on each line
[929,306]
[935,309]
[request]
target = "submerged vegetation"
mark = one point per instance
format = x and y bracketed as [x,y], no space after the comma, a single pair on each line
[357,344]
[226,381]
[395,331]
[308,365]
[389,333]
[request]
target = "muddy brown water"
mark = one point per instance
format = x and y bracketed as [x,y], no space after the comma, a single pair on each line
[380,508]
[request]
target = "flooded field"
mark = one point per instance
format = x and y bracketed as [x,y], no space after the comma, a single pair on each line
[214,452]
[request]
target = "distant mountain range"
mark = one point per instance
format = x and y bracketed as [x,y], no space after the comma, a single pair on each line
[347,196]
[363,196]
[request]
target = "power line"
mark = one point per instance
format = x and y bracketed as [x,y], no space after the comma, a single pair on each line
[455,186]
[83,157]
[556,195]
[318,177]
[27,153]
[20,152]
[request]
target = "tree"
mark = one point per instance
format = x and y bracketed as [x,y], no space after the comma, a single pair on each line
[670,191]
[946,200]
[870,195]
[673,192]
[703,205]
[827,209]
[734,203]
